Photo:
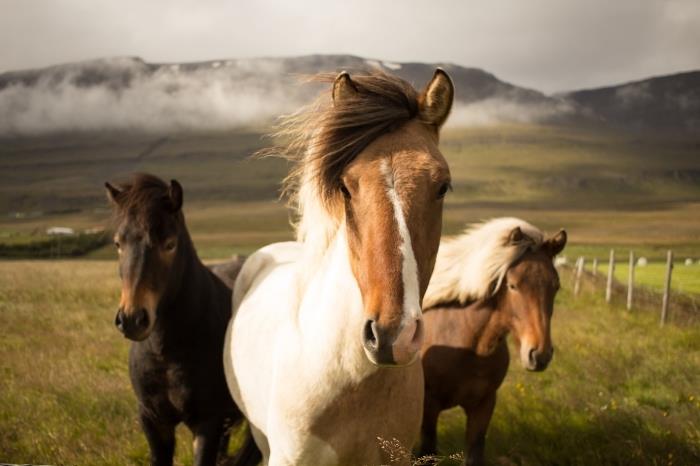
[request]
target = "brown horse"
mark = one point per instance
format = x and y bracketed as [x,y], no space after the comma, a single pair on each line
[497,278]
[175,310]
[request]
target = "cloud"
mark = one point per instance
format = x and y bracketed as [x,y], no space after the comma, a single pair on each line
[496,110]
[130,96]
[545,44]
[127,94]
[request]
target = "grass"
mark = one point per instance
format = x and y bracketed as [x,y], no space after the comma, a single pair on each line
[65,397]
[620,390]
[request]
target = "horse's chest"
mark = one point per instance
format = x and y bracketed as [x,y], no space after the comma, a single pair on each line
[164,387]
[386,404]
[178,388]
[482,376]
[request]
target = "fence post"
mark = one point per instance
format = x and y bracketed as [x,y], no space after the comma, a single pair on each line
[595,267]
[579,272]
[667,286]
[611,272]
[630,282]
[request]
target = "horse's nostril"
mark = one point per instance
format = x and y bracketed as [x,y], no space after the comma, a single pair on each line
[141,319]
[119,320]
[369,334]
[532,356]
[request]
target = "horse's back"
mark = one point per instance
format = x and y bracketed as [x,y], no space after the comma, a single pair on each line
[228,271]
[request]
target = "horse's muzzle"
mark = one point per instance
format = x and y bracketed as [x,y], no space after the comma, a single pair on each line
[392,347]
[134,325]
[537,360]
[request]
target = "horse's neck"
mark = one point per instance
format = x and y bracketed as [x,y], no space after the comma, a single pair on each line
[190,303]
[330,312]
[487,325]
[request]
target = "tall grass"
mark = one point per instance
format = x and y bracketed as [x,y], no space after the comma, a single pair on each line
[619,390]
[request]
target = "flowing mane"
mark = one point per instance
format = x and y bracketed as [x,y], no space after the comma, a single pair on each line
[323,138]
[472,266]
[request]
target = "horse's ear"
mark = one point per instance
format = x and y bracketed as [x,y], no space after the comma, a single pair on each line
[175,195]
[556,243]
[435,102]
[516,236]
[343,87]
[113,193]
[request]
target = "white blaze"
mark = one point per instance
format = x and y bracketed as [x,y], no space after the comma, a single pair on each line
[409,268]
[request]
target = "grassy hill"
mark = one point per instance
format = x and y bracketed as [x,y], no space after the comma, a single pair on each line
[606,188]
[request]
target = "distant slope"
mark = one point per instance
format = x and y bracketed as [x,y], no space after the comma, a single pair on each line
[129,94]
[662,103]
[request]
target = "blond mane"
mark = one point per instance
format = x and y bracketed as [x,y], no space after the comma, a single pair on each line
[472,266]
[322,139]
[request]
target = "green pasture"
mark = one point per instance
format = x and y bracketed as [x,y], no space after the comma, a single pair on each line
[620,390]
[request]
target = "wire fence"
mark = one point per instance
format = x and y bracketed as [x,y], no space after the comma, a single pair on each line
[670,302]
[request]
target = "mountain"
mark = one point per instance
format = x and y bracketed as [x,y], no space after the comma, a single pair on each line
[669,103]
[130,94]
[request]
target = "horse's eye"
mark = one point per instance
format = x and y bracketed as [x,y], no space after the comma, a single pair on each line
[511,286]
[345,191]
[443,190]
[169,245]
[117,245]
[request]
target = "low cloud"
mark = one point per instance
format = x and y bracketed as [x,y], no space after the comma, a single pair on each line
[496,110]
[133,97]
[127,94]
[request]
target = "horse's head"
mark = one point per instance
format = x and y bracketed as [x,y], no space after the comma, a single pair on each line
[391,197]
[149,231]
[527,297]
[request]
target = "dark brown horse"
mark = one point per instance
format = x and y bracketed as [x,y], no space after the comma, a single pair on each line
[175,310]
[496,279]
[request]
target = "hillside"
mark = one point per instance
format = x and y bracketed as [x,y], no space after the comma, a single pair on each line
[668,103]
[606,188]
[130,94]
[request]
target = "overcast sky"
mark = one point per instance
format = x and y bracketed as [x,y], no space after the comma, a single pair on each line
[550,45]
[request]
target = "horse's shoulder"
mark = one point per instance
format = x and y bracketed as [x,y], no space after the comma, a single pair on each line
[260,261]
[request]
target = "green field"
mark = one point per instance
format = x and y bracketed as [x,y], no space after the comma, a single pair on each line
[620,390]
[606,189]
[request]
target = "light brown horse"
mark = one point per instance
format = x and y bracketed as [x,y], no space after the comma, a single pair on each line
[496,279]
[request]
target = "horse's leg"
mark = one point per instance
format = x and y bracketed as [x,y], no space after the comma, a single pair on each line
[207,441]
[229,424]
[478,419]
[431,411]
[248,454]
[161,440]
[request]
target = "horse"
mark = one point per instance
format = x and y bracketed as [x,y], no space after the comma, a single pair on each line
[496,278]
[228,271]
[175,311]
[322,351]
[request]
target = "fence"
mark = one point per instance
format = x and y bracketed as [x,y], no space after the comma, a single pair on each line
[631,290]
